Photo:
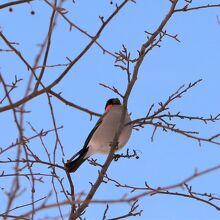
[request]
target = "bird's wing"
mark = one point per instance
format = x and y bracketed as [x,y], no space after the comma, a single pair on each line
[92,132]
[84,150]
[78,154]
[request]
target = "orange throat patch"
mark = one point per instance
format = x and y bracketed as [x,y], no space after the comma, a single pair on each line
[108,108]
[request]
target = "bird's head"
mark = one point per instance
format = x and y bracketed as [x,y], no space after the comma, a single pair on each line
[111,102]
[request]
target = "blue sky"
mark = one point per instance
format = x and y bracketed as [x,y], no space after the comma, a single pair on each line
[171,157]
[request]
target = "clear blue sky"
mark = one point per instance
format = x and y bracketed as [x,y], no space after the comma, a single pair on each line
[171,157]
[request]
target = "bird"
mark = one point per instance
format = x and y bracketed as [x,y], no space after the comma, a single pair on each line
[101,136]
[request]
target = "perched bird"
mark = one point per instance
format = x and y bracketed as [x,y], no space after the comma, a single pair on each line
[101,136]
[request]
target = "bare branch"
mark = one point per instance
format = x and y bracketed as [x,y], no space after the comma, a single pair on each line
[9,4]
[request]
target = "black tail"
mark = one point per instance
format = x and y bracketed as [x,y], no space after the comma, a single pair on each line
[72,166]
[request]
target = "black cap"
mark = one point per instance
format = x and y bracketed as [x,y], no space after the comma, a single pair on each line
[113,101]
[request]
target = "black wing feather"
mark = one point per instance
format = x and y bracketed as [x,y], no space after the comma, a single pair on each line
[92,132]
[77,159]
[72,165]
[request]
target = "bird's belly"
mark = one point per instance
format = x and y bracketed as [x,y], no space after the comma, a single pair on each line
[103,144]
